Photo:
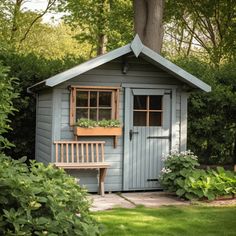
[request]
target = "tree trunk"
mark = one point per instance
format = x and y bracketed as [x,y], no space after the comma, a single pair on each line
[14,26]
[102,44]
[103,27]
[148,25]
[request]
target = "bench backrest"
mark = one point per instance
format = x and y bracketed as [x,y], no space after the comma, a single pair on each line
[79,151]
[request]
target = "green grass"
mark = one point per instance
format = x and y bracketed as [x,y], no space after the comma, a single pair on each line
[169,220]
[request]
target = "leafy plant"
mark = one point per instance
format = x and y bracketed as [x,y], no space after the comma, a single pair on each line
[7,94]
[87,123]
[40,200]
[109,123]
[177,167]
[181,177]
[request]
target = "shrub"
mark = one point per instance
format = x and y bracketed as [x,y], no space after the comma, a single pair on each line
[181,177]
[177,167]
[7,94]
[41,200]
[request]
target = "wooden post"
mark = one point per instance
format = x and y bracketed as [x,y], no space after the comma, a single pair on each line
[235,168]
[101,181]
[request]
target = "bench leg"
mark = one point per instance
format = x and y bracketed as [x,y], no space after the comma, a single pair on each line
[102,175]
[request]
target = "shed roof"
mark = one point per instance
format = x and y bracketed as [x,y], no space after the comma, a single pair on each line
[139,50]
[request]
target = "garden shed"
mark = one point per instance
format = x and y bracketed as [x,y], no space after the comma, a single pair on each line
[133,84]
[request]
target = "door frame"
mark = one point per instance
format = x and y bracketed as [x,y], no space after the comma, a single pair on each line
[127,117]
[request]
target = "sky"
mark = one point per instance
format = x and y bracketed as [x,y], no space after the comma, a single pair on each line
[38,5]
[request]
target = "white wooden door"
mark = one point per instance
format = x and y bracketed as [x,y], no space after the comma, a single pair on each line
[149,136]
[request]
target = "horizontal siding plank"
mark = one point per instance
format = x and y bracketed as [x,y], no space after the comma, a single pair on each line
[44,111]
[45,157]
[45,148]
[44,133]
[45,104]
[44,118]
[44,126]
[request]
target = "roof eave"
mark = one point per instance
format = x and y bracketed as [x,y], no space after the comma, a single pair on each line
[175,70]
[86,66]
[36,87]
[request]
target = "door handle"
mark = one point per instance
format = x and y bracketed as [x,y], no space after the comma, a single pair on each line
[131,133]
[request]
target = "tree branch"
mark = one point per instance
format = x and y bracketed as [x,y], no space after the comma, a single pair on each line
[49,5]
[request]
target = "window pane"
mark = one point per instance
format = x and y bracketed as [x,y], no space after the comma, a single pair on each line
[93,99]
[81,113]
[155,119]
[140,118]
[105,99]
[155,103]
[82,99]
[140,102]
[93,114]
[104,114]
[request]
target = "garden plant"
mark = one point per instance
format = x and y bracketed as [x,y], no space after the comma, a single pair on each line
[42,200]
[181,176]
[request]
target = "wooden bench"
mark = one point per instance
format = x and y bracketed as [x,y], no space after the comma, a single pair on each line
[82,155]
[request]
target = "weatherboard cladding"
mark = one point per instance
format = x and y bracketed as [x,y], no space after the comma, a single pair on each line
[44,126]
[140,73]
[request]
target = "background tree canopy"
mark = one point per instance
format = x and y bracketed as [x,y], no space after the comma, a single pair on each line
[198,35]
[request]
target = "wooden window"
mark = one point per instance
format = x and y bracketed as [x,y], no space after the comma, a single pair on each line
[94,103]
[147,110]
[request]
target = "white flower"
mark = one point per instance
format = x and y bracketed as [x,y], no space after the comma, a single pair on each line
[166,170]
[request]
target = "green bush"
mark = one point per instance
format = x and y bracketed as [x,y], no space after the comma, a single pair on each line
[41,200]
[181,176]
[177,167]
[7,94]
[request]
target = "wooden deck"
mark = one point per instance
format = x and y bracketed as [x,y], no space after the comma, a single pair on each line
[82,155]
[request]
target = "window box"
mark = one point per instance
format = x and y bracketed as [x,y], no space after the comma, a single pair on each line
[99,131]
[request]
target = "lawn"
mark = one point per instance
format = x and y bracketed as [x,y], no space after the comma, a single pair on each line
[169,220]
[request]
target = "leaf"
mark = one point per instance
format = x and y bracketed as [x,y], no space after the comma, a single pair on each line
[180,192]
[23,159]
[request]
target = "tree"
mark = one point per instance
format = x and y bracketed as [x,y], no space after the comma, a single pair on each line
[11,13]
[148,25]
[209,24]
[105,24]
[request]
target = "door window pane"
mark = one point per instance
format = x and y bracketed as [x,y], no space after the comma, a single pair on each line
[139,118]
[82,99]
[93,99]
[104,99]
[155,118]
[155,103]
[140,102]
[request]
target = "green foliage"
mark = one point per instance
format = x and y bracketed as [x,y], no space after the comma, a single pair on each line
[29,69]
[109,123]
[208,24]
[40,200]
[7,94]
[181,177]
[212,116]
[86,123]
[97,18]
[178,166]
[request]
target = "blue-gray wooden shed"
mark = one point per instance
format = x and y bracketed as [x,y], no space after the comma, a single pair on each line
[152,107]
